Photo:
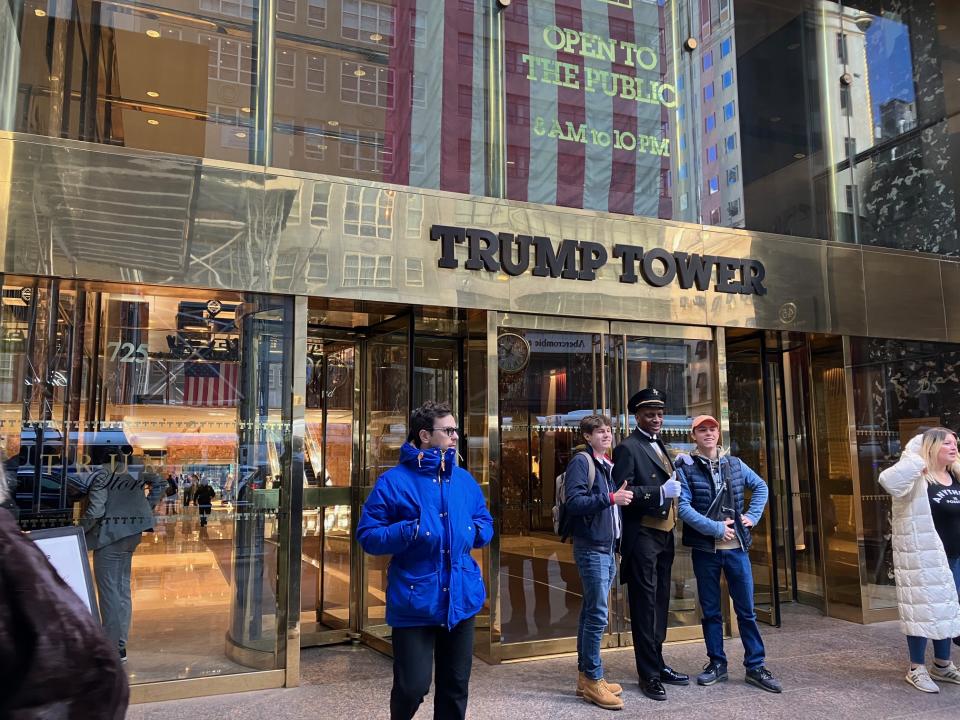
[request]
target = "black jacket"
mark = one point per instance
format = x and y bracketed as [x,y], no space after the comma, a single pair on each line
[635,461]
[591,520]
[55,660]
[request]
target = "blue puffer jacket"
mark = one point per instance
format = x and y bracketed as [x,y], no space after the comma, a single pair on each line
[428,513]
[697,493]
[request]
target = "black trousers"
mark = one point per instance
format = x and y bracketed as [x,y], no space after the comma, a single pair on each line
[647,573]
[414,649]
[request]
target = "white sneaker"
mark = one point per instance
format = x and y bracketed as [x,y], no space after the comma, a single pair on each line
[950,673]
[920,679]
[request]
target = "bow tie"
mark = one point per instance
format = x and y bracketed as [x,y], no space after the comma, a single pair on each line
[650,438]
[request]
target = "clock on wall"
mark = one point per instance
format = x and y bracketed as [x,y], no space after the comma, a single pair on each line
[513,352]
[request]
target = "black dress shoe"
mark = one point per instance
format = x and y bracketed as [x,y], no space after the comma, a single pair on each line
[653,689]
[672,677]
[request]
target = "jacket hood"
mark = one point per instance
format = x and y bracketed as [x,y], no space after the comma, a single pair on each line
[426,461]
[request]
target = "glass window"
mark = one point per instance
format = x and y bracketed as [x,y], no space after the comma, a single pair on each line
[318,269]
[709,122]
[733,208]
[368,212]
[153,388]
[364,152]
[317,13]
[287,68]
[414,267]
[369,21]
[366,85]
[712,154]
[713,184]
[727,78]
[842,48]
[708,60]
[287,10]
[320,206]
[731,142]
[850,147]
[725,46]
[362,270]
[316,73]
[708,92]
[733,174]
[729,110]
[715,217]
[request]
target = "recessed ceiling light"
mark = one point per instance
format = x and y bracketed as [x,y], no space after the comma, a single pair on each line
[376,37]
[333,123]
[244,109]
[153,93]
[799,156]
[776,118]
[359,72]
[240,134]
[153,33]
[151,121]
[39,12]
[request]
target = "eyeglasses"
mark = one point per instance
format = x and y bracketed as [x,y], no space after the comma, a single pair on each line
[450,431]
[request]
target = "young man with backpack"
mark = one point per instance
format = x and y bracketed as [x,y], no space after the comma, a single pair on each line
[590,514]
[717,528]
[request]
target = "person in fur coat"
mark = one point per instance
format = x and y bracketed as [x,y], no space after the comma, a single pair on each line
[926,586]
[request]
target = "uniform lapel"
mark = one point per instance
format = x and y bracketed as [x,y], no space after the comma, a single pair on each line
[653,454]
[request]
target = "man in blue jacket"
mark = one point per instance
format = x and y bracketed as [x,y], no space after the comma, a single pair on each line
[718,531]
[428,513]
[593,511]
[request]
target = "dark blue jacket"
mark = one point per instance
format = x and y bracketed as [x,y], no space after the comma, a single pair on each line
[428,514]
[591,521]
[697,494]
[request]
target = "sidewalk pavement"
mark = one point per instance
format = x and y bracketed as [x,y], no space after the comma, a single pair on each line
[829,669]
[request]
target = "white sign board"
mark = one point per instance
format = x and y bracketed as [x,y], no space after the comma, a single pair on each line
[66,550]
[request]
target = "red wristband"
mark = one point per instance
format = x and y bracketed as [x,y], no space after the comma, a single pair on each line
[612,501]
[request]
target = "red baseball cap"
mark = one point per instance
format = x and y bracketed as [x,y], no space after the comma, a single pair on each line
[702,420]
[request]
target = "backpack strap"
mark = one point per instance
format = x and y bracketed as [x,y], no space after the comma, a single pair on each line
[591,470]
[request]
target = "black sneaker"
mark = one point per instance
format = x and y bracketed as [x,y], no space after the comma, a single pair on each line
[123,655]
[713,672]
[956,640]
[763,679]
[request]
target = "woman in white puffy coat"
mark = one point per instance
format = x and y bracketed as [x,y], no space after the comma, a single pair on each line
[926,589]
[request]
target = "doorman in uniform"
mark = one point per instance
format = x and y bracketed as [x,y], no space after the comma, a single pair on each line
[646,547]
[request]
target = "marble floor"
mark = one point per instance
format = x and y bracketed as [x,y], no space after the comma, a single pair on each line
[829,669]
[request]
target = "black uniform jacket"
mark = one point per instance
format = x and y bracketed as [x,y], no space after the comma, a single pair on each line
[636,461]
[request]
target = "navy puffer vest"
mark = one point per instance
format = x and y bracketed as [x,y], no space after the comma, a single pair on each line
[701,487]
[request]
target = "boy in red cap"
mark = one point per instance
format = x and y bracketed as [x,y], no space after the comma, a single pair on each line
[717,529]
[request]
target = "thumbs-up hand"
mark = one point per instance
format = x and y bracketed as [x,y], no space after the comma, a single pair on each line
[623,496]
[671,488]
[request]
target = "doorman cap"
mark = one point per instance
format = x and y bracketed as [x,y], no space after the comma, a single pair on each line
[646,398]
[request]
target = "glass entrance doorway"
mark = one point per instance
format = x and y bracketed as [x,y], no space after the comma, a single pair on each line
[366,369]
[770,376]
[551,373]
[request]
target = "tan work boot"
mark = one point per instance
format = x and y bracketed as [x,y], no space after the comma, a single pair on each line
[612,687]
[597,692]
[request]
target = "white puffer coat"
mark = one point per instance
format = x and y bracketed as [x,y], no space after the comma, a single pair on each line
[926,593]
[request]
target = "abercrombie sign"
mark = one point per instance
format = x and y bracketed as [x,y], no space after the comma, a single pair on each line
[580,260]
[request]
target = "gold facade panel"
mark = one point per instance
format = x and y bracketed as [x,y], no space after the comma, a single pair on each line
[889,277]
[950,277]
[217,225]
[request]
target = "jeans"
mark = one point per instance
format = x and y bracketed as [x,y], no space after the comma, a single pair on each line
[414,649]
[111,567]
[597,570]
[735,565]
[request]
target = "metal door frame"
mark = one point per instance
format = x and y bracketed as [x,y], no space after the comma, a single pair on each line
[617,635]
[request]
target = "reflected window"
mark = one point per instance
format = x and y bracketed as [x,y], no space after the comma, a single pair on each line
[729,110]
[713,184]
[364,151]
[366,84]
[234,8]
[725,46]
[709,123]
[287,10]
[318,269]
[316,73]
[842,48]
[368,21]
[286,68]
[712,154]
[317,13]
[368,212]
[362,270]
[314,142]
[708,60]
[414,268]
[708,92]
[320,207]
[230,60]
[727,79]
[731,142]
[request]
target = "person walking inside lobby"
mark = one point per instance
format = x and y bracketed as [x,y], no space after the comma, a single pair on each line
[717,529]
[428,514]
[926,529]
[117,513]
[592,507]
[646,547]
